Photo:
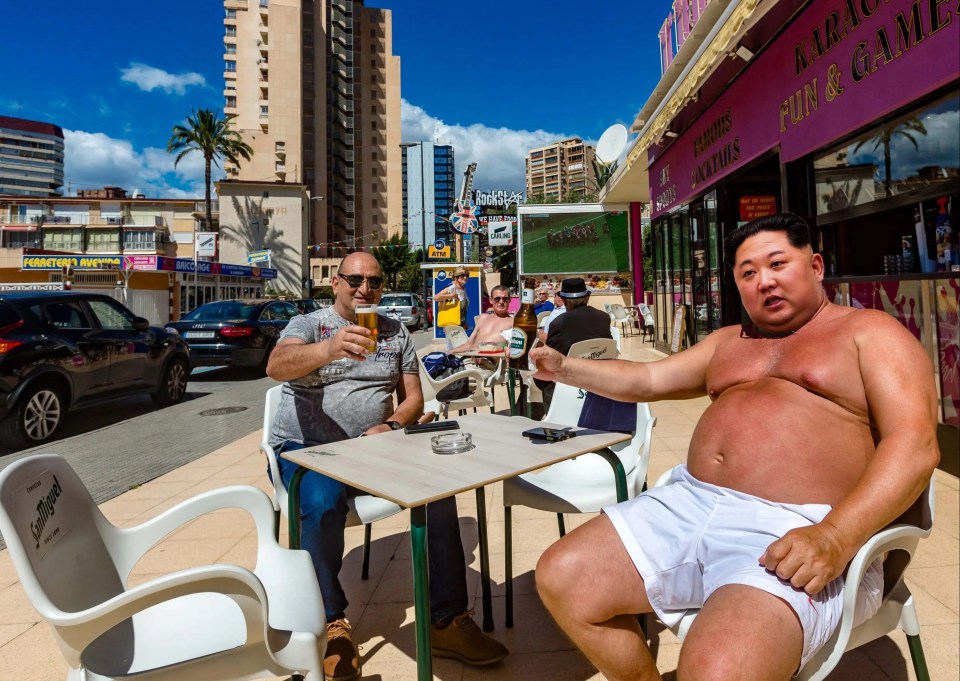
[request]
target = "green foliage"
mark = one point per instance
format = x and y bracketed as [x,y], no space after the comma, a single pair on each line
[271,291]
[647,256]
[411,276]
[323,293]
[394,257]
[505,262]
[206,132]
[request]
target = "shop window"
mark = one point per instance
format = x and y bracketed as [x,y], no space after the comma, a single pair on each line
[909,155]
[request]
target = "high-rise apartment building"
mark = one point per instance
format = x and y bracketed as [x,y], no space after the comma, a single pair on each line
[31,157]
[562,170]
[429,191]
[315,89]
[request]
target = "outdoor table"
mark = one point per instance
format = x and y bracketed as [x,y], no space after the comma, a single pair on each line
[403,469]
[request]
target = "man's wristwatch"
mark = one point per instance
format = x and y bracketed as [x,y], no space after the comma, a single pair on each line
[394,425]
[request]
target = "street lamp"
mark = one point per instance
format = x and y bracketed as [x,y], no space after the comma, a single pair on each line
[306,240]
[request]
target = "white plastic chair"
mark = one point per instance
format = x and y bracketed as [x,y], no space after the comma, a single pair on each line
[648,325]
[581,485]
[478,397]
[897,609]
[455,336]
[615,334]
[215,621]
[363,509]
[620,316]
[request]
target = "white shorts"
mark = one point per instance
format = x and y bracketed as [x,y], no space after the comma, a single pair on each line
[690,538]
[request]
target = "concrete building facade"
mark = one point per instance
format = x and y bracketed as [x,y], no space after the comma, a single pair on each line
[315,89]
[562,170]
[31,157]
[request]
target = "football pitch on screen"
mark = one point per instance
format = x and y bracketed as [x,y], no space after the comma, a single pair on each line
[552,245]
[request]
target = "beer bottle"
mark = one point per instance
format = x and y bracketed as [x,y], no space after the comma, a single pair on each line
[524,331]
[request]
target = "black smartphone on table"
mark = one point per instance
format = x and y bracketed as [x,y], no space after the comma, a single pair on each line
[549,434]
[431,426]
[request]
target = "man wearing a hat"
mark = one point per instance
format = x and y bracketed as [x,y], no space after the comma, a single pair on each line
[580,322]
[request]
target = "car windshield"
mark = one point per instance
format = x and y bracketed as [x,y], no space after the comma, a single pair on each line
[395,300]
[220,311]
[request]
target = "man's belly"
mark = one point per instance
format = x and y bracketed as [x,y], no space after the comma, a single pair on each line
[775,440]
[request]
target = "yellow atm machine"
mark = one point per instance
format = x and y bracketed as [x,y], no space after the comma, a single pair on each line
[439,275]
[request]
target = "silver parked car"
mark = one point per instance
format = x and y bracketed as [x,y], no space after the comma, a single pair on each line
[407,307]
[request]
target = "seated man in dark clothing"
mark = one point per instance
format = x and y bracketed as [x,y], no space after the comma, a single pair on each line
[579,323]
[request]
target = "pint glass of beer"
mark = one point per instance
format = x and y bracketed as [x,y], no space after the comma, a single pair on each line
[367,318]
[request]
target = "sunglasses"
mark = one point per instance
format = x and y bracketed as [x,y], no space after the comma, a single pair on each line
[499,299]
[356,281]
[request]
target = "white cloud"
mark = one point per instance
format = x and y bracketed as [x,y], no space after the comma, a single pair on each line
[93,160]
[498,152]
[150,78]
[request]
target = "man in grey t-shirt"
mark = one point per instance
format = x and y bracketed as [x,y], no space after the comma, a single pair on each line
[335,388]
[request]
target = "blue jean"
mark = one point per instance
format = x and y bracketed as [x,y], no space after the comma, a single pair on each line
[323,517]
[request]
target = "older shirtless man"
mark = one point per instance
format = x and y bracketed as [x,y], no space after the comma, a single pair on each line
[821,431]
[490,327]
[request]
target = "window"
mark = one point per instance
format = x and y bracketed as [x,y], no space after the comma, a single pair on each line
[373,125]
[66,315]
[373,156]
[230,31]
[229,48]
[230,66]
[230,13]
[231,102]
[111,314]
[140,239]
[103,240]
[264,111]
[63,239]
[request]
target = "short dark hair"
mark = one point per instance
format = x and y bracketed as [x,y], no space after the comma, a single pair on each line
[499,287]
[794,226]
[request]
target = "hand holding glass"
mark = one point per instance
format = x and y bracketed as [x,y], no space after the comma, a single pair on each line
[367,318]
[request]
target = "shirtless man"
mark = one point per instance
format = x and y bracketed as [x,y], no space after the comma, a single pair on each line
[821,431]
[490,327]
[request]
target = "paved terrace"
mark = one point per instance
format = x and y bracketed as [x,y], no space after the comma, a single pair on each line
[382,608]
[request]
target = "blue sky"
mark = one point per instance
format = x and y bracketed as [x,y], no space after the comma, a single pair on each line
[493,79]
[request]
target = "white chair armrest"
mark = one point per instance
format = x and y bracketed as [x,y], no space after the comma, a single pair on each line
[465,373]
[136,541]
[79,629]
[279,491]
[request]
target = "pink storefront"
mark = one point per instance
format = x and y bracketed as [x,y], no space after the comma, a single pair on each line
[848,113]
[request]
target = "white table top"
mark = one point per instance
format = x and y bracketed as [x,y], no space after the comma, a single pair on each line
[403,469]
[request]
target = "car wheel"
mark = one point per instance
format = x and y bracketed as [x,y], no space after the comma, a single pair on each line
[35,419]
[173,385]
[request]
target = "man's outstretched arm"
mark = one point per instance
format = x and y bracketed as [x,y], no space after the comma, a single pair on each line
[682,375]
[902,399]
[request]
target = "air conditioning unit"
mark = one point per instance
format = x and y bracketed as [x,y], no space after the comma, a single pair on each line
[114,221]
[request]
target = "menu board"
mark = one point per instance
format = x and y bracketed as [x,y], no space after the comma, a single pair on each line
[679,324]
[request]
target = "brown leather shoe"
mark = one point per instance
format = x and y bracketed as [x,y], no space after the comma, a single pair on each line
[462,639]
[342,659]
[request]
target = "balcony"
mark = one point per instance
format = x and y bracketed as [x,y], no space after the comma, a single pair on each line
[235,4]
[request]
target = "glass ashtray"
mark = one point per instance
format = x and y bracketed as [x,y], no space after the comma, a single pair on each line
[451,443]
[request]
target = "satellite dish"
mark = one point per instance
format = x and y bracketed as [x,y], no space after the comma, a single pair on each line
[611,143]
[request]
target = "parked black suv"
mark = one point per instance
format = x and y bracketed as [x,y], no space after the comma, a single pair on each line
[63,350]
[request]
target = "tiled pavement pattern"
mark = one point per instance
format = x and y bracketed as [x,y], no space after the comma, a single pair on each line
[382,609]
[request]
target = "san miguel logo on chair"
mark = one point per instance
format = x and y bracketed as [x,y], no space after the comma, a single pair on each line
[465,219]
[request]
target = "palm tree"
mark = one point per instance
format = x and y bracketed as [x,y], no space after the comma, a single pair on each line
[211,135]
[884,138]
[394,256]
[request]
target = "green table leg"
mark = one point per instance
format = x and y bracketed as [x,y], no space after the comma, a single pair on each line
[293,506]
[484,561]
[511,377]
[421,591]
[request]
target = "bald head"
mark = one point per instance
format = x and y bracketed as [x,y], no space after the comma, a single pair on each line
[356,260]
